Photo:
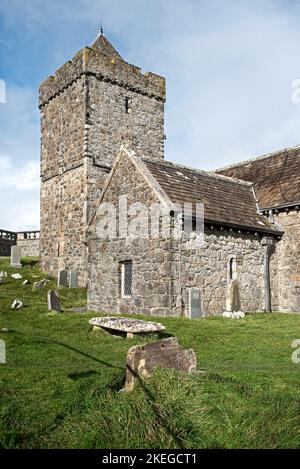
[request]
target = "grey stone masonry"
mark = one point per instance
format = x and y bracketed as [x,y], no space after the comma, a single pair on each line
[16,254]
[165,270]
[89,107]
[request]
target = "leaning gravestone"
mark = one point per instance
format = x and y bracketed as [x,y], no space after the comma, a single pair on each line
[17,304]
[53,301]
[39,285]
[195,303]
[73,279]
[62,280]
[167,353]
[15,256]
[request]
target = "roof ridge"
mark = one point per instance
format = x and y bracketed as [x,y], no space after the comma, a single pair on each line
[257,158]
[200,171]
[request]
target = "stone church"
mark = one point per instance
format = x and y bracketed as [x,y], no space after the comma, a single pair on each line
[102,142]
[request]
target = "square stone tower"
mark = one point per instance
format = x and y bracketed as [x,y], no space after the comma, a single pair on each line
[91,105]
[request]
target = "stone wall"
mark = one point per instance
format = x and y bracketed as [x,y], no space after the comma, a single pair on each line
[84,120]
[152,269]
[63,223]
[7,240]
[165,269]
[207,268]
[29,242]
[288,276]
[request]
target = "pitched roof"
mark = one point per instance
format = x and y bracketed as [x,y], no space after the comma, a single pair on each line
[103,45]
[276,177]
[226,201]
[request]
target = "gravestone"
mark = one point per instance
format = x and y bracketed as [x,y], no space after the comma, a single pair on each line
[2,351]
[15,256]
[73,279]
[167,353]
[195,303]
[62,280]
[233,302]
[17,304]
[53,301]
[39,285]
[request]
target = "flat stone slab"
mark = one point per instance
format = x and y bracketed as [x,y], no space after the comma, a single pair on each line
[127,325]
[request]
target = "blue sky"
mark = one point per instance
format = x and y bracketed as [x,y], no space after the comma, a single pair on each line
[229,67]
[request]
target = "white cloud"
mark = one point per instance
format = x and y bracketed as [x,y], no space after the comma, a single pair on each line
[20,177]
[19,160]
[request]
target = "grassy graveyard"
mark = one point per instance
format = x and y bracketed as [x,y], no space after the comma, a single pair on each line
[60,386]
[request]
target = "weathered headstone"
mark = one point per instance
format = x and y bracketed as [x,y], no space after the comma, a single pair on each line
[40,284]
[73,279]
[62,280]
[233,302]
[17,304]
[15,256]
[167,353]
[53,300]
[3,274]
[195,303]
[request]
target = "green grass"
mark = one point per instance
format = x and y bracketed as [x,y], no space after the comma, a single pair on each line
[60,385]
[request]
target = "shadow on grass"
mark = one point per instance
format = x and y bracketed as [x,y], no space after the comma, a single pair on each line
[82,374]
[116,385]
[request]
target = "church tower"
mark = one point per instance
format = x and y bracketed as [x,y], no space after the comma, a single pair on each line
[89,107]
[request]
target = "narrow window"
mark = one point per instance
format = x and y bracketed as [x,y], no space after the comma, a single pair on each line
[126,279]
[231,268]
[127,105]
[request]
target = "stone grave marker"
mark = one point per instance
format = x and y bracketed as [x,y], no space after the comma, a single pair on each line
[167,353]
[195,303]
[73,279]
[15,256]
[233,302]
[40,284]
[17,304]
[62,280]
[53,301]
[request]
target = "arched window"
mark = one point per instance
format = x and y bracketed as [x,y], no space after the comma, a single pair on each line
[232,268]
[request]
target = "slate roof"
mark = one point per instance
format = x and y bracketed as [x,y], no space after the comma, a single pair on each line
[103,45]
[276,177]
[227,201]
